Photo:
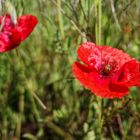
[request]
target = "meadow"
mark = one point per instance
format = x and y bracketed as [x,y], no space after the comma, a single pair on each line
[40,99]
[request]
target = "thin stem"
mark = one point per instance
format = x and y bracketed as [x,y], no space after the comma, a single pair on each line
[58,130]
[4,130]
[60,19]
[100,117]
[80,3]
[1,7]
[98,32]
[88,13]
[100,21]
[39,101]
[71,21]
[21,111]
[96,23]
[42,105]
[114,14]
[80,32]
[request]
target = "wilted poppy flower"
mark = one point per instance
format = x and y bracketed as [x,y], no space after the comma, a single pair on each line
[106,71]
[11,34]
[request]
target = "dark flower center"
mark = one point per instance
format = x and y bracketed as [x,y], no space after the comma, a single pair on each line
[107,68]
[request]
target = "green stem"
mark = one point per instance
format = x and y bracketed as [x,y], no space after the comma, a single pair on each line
[96,22]
[100,21]
[21,111]
[60,19]
[4,130]
[98,33]
[58,130]
[100,118]
[39,101]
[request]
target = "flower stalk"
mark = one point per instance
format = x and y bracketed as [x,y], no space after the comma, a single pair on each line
[60,19]
[98,33]
[21,112]
[98,23]
[100,117]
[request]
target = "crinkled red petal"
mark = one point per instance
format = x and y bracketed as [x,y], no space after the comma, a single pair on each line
[15,38]
[113,54]
[6,23]
[130,73]
[9,40]
[89,53]
[3,42]
[26,25]
[92,54]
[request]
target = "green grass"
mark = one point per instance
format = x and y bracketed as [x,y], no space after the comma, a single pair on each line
[41,66]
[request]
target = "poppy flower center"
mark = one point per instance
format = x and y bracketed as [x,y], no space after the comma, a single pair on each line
[107,68]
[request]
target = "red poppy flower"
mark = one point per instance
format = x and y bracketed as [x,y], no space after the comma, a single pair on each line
[106,71]
[11,34]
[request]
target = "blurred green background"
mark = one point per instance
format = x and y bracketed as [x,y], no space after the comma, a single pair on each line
[39,97]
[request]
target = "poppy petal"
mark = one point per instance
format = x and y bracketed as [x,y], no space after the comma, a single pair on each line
[82,73]
[119,88]
[130,73]
[3,42]
[95,83]
[15,39]
[26,25]
[9,40]
[93,55]
[89,53]
[113,54]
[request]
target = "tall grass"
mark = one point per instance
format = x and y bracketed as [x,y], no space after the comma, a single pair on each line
[39,97]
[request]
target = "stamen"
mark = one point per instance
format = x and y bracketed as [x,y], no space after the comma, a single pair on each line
[107,68]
